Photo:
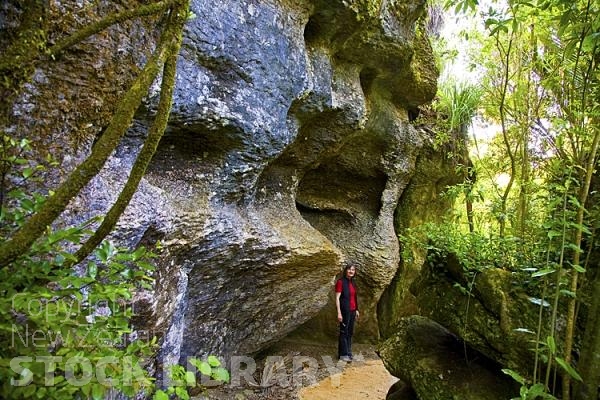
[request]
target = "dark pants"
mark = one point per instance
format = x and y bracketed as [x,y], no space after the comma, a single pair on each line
[346,331]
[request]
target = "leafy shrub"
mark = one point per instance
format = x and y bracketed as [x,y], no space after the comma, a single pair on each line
[66,332]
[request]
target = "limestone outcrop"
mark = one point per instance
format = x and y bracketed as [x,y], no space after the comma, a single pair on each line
[490,312]
[289,149]
[442,367]
[472,325]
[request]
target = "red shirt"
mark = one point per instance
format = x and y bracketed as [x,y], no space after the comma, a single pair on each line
[338,289]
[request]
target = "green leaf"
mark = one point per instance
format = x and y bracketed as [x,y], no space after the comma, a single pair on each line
[41,393]
[543,272]
[161,395]
[214,361]
[579,269]
[105,251]
[92,270]
[138,253]
[29,391]
[515,375]
[536,391]
[128,391]
[27,172]
[221,374]
[570,370]
[190,378]
[591,41]
[205,368]
[98,391]
[489,22]
[551,344]
[195,362]
[182,393]
[551,234]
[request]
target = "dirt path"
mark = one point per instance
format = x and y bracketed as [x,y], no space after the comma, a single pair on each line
[365,380]
[325,379]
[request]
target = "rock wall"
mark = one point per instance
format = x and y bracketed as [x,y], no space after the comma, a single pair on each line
[421,202]
[289,148]
[437,365]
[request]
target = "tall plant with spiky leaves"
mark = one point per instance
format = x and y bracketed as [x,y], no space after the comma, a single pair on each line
[458,101]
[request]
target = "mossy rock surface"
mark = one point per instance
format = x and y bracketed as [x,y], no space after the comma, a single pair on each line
[496,316]
[439,366]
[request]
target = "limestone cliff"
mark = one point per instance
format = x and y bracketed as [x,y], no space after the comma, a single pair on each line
[289,149]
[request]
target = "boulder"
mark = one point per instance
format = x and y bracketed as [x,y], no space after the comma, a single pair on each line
[438,365]
[492,313]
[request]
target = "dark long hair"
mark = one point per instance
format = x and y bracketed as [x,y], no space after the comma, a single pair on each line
[347,266]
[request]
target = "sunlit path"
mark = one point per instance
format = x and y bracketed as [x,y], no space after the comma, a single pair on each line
[366,380]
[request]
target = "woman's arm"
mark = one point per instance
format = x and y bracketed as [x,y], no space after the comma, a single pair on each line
[337,305]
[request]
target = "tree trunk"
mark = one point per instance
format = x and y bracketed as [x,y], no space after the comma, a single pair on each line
[35,226]
[570,329]
[502,111]
[589,364]
[176,23]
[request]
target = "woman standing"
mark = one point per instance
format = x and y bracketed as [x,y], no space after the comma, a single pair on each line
[347,310]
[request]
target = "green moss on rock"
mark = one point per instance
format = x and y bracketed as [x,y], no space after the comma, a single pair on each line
[439,366]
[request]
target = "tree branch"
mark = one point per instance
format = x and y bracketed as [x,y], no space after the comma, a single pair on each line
[35,226]
[155,134]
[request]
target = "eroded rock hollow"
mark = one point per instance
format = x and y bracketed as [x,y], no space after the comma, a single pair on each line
[289,149]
